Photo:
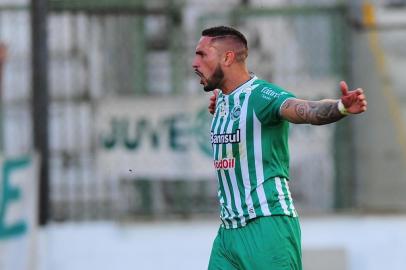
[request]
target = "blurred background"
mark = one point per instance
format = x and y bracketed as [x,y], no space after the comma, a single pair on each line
[104,137]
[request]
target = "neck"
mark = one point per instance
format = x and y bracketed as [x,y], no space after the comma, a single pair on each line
[234,80]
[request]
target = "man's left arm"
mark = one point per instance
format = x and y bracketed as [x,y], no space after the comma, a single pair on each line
[325,111]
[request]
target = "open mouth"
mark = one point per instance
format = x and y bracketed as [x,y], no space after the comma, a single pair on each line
[198,73]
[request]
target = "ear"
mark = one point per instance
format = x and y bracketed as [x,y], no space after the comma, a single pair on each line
[229,58]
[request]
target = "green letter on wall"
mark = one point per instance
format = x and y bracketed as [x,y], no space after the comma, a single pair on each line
[8,195]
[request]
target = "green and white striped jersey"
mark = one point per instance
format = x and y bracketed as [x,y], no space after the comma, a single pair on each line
[251,154]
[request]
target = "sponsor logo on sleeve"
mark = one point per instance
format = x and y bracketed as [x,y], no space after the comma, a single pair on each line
[269,93]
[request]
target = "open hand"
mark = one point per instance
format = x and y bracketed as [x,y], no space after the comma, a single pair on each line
[354,101]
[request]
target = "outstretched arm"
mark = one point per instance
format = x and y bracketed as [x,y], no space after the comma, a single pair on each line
[321,112]
[326,111]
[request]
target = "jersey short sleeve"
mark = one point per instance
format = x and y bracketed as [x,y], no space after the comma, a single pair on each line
[267,100]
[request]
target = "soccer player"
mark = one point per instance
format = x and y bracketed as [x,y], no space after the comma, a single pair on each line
[249,135]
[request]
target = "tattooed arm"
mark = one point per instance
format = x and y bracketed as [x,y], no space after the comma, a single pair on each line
[321,112]
[324,111]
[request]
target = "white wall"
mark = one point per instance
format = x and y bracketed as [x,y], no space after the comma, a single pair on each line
[369,242]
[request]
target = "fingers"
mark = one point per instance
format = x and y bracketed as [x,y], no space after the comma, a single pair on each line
[361,99]
[359,91]
[345,91]
[216,92]
[344,88]
[360,94]
[211,107]
[213,98]
[363,104]
[212,102]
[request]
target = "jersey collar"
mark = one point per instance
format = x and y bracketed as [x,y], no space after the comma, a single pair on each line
[244,85]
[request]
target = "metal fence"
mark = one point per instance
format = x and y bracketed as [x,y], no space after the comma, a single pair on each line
[100,50]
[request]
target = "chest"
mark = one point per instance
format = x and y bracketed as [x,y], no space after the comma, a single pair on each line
[231,115]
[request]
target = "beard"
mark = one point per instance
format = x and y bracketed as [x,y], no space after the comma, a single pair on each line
[215,81]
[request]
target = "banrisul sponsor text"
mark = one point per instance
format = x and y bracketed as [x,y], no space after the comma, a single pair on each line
[225,137]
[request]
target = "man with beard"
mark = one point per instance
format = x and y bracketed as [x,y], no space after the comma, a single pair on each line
[249,135]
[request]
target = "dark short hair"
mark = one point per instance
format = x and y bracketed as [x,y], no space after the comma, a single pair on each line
[225,31]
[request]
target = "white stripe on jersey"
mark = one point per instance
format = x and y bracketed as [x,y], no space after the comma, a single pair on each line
[292,207]
[281,196]
[222,205]
[243,159]
[259,170]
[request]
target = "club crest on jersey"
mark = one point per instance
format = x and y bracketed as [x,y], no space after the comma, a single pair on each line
[236,112]
[225,138]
